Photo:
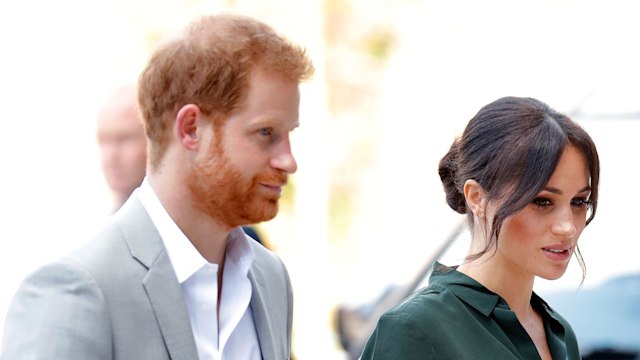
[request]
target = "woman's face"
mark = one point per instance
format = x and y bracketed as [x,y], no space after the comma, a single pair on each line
[541,238]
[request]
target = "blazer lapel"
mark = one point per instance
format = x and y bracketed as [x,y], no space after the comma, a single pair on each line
[160,283]
[165,296]
[259,306]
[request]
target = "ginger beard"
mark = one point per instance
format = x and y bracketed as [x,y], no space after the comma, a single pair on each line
[220,191]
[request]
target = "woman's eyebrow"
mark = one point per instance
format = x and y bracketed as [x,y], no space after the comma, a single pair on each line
[559,192]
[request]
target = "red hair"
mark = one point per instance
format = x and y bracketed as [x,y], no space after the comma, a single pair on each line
[209,66]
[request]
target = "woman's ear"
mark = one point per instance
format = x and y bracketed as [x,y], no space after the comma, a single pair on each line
[476,197]
[186,126]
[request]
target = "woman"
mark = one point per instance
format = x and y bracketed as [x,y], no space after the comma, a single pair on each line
[527,179]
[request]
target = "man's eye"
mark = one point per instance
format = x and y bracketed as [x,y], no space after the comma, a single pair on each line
[266,131]
[541,202]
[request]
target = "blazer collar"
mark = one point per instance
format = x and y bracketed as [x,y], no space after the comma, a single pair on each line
[259,306]
[160,283]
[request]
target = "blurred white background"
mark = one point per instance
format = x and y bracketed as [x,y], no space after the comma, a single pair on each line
[396,81]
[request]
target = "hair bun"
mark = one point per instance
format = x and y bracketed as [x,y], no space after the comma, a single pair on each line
[448,170]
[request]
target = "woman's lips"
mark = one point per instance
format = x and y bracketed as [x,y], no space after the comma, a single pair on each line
[557,253]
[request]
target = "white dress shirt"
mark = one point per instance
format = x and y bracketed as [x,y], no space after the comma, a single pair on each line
[232,335]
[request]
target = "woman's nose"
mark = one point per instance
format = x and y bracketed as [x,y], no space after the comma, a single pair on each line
[564,224]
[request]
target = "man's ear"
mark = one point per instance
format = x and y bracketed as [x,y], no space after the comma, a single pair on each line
[186,126]
[476,197]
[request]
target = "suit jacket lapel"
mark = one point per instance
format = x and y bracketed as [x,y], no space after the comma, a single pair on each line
[160,283]
[165,296]
[259,306]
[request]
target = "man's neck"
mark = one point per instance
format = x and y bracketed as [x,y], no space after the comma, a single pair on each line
[206,235]
[119,199]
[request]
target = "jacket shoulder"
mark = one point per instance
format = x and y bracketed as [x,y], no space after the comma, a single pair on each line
[59,302]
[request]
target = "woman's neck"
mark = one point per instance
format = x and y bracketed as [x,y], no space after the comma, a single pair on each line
[504,280]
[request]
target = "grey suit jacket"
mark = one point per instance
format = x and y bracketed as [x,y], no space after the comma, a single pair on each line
[118,298]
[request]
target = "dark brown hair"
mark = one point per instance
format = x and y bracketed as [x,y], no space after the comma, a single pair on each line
[511,148]
[209,65]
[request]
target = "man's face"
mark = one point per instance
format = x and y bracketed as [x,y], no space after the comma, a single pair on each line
[122,147]
[239,179]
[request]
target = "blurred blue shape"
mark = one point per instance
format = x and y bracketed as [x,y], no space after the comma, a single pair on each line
[606,319]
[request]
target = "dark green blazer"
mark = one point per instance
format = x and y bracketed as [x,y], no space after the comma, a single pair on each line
[455,317]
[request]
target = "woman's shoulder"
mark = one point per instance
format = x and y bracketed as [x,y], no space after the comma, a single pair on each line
[431,303]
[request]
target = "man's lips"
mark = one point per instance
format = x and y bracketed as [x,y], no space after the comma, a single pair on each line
[274,187]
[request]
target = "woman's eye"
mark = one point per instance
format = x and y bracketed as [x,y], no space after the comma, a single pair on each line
[541,202]
[580,202]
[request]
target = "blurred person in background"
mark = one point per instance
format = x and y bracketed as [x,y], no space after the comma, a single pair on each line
[122,143]
[527,179]
[172,275]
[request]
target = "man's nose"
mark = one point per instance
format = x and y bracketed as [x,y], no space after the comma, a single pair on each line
[284,159]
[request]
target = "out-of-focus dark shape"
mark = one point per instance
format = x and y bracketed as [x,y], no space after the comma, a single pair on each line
[253,232]
[606,319]
[355,324]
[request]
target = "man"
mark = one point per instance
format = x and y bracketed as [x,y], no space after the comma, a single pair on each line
[123,147]
[172,276]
